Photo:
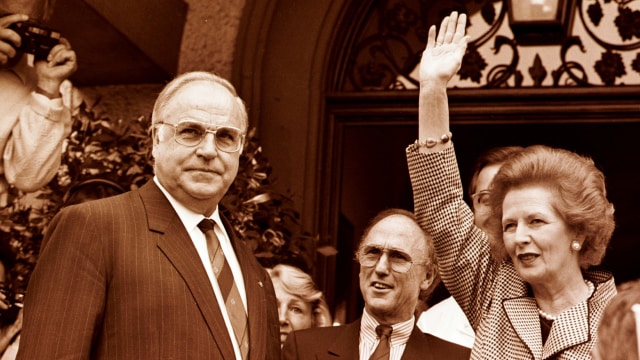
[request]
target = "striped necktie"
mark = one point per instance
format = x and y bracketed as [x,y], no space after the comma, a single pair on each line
[383,351]
[228,288]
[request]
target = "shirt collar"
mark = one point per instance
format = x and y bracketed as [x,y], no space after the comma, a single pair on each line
[399,336]
[189,218]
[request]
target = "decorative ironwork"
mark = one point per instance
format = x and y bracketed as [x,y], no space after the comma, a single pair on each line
[390,43]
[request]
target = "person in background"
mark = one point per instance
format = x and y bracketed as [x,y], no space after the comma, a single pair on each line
[300,304]
[157,272]
[10,307]
[397,261]
[34,120]
[619,329]
[446,319]
[484,169]
[526,282]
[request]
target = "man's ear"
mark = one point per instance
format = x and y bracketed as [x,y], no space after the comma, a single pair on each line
[430,277]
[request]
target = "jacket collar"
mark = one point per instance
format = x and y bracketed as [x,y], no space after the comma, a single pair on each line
[522,313]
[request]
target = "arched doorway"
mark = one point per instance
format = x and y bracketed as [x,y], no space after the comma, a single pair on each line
[340,147]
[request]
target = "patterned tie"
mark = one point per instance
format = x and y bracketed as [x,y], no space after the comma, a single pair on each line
[383,350]
[228,287]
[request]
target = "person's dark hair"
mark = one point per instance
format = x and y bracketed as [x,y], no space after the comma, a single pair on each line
[493,156]
[432,263]
[581,196]
[617,339]
[91,189]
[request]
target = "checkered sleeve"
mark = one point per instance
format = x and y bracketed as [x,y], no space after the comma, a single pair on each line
[464,259]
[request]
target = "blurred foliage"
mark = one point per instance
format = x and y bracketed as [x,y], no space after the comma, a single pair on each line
[100,147]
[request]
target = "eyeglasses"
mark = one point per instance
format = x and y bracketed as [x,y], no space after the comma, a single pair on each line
[399,261]
[481,197]
[191,133]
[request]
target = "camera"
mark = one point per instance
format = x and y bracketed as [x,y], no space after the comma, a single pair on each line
[14,301]
[36,40]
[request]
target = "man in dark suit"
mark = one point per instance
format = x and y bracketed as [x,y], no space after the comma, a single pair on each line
[132,276]
[397,261]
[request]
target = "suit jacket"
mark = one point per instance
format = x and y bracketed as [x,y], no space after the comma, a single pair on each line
[119,278]
[497,302]
[343,342]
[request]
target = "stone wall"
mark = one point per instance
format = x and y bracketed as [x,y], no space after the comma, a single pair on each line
[208,43]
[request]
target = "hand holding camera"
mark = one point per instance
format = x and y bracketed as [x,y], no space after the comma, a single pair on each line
[9,39]
[54,60]
[36,39]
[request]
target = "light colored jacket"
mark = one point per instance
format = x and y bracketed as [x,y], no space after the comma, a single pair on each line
[32,130]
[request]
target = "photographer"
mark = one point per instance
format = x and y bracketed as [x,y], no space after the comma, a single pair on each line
[10,309]
[34,120]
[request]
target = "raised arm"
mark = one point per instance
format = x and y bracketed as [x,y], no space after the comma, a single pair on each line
[440,61]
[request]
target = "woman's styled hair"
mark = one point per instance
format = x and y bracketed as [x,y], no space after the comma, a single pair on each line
[581,197]
[298,283]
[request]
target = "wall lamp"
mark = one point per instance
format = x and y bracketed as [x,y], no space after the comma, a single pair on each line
[541,22]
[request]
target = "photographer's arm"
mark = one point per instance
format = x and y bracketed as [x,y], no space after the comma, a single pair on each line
[32,153]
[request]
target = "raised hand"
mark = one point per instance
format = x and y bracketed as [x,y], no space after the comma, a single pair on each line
[442,57]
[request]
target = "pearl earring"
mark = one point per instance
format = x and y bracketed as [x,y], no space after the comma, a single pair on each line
[575,246]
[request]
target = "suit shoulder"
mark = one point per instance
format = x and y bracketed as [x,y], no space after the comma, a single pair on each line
[449,350]
[318,336]
[318,333]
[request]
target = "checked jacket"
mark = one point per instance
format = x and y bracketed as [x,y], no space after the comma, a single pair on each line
[498,304]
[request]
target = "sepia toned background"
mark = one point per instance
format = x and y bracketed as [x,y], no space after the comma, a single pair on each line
[330,87]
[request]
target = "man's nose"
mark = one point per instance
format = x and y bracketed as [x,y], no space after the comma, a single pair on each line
[207,146]
[383,264]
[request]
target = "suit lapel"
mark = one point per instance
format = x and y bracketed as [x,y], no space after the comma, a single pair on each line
[346,344]
[175,243]
[417,346]
[576,319]
[523,315]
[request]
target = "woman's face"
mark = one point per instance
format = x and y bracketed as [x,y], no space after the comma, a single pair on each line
[294,313]
[536,237]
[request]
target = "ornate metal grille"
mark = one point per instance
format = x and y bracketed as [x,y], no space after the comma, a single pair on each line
[602,51]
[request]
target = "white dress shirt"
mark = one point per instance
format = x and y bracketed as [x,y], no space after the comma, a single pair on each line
[191,220]
[447,321]
[369,339]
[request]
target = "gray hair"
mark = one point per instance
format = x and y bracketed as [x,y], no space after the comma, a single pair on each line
[183,80]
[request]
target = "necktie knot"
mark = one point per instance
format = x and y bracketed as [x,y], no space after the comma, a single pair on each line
[384,331]
[382,351]
[206,225]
